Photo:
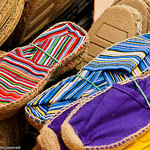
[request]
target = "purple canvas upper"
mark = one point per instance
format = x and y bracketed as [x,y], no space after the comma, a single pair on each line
[113,115]
[55,125]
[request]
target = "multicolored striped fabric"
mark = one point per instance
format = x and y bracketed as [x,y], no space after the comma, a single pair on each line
[117,63]
[23,68]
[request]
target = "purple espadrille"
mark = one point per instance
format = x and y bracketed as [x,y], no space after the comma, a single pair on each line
[113,119]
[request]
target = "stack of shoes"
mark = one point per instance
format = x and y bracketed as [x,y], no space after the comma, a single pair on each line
[117,118]
[10,13]
[26,70]
[122,61]
[116,61]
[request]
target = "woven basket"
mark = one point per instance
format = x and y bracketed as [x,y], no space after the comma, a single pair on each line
[11,113]
[10,14]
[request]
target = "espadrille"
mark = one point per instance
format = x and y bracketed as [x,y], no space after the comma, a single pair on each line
[26,70]
[143,6]
[114,25]
[52,130]
[118,63]
[113,119]
[11,11]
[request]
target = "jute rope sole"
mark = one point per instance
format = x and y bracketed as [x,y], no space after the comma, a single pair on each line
[6,7]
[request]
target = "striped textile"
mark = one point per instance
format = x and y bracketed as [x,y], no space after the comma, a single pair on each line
[23,68]
[117,63]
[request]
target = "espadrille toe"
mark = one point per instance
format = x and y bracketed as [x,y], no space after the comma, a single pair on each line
[113,119]
[118,63]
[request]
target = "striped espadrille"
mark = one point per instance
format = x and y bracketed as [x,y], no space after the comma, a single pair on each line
[114,25]
[26,70]
[118,63]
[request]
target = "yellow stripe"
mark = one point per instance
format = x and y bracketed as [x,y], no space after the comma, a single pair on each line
[141,39]
[84,95]
[116,60]
[53,111]
[120,75]
[142,143]
[41,112]
[133,74]
[35,103]
[29,110]
[112,76]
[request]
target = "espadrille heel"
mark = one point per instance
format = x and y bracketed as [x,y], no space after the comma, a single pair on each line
[143,6]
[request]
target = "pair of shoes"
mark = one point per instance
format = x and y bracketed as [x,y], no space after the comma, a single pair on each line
[118,63]
[25,71]
[117,118]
